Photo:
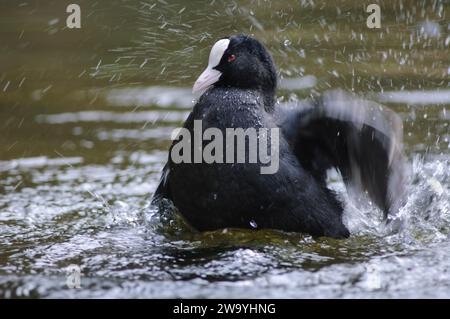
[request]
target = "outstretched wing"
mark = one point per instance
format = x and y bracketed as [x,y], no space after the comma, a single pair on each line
[362,139]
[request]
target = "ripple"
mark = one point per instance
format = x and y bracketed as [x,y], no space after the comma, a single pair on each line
[416,97]
[117,117]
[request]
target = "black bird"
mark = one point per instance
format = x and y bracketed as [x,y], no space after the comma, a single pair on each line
[359,138]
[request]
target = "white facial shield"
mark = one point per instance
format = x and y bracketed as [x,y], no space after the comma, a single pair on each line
[210,75]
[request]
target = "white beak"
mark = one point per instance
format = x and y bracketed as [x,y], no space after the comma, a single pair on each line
[206,80]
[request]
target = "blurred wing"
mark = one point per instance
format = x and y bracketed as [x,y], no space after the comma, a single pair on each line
[360,138]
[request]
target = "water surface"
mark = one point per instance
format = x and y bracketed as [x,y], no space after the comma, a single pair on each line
[86,117]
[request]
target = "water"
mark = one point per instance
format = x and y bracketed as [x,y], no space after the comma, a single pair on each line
[86,117]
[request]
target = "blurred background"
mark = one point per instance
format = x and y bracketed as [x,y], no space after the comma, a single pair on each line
[85,122]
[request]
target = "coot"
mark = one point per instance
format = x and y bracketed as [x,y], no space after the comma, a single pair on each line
[359,138]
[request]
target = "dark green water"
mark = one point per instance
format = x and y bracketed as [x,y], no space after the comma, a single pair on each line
[85,123]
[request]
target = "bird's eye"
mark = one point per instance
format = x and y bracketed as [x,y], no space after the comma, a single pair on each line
[231,58]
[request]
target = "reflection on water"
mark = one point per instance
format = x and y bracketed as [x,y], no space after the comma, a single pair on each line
[86,118]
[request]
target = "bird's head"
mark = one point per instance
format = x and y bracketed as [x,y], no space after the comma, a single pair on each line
[238,61]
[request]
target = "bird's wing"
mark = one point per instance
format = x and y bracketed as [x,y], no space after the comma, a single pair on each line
[163,189]
[362,139]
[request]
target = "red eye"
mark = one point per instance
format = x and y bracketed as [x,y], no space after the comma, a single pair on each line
[231,58]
